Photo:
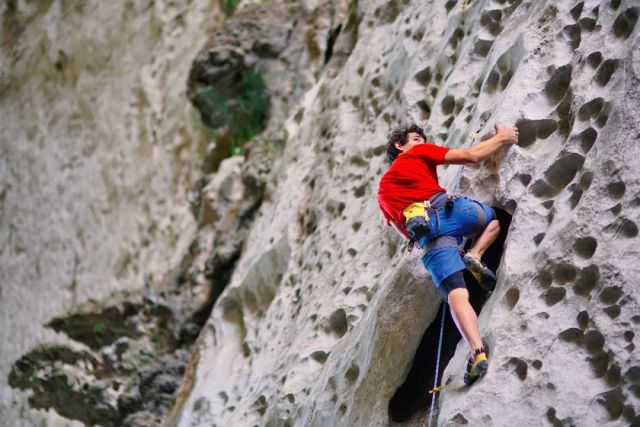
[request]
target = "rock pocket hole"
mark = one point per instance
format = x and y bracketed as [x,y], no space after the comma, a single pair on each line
[585,246]
[625,23]
[424,109]
[491,20]
[482,47]
[587,281]
[512,297]
[352,373]
[623,226]
[576,194]
[424,77]
[338,322]
[530,130]
[553,295]
[587,139]
[594,59]
[587,24]
[616,189]
[591,109]
[563,170]
[577,10]
[413,394]
[558,85]
[606,70]
[573,35]
[519,368]
[492,81]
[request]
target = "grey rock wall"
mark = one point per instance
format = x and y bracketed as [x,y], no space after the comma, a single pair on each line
[98,152]
[322,317]
[316,312]
[562,321]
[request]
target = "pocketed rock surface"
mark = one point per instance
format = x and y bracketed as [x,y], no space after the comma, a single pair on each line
[322,316]
[317,313]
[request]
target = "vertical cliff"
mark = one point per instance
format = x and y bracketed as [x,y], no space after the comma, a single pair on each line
[322,317]
[99,150]
[266,284]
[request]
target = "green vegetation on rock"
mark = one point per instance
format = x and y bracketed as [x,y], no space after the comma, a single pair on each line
[244,114]
[230,6]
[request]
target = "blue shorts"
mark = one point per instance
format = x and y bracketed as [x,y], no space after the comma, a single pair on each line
[466,218]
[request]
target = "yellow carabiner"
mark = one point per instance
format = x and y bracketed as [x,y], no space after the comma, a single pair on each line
[437,389]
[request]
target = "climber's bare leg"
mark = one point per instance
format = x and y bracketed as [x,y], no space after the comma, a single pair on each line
[488,236]
[465,317]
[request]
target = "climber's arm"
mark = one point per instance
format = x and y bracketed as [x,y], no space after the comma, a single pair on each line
[483,149]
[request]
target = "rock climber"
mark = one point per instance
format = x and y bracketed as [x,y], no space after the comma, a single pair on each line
[412,200]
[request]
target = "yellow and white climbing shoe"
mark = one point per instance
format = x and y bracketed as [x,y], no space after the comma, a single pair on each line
[483,275]
[476,367]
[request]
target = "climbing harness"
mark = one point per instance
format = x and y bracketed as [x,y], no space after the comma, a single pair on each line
[418,221]
[437,388]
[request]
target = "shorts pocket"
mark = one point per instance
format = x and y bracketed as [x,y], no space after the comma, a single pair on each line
[464,206]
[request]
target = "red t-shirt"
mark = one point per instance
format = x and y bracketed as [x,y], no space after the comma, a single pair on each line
[411,178]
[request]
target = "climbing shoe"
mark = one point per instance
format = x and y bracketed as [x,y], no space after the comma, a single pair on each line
[481,272]
[476,367]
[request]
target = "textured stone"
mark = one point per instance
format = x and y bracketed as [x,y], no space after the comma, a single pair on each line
[315,314]
[343,290]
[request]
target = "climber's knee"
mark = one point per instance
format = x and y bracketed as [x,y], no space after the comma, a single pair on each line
[452,283]
[458,294]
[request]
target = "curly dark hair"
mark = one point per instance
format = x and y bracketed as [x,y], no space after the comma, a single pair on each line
[401,135]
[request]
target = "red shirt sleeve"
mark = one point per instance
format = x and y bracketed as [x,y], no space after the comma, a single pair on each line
[429,152]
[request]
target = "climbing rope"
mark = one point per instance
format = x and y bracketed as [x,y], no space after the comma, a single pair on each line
[437,388]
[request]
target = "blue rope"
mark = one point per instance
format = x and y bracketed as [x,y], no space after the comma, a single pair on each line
[435,381]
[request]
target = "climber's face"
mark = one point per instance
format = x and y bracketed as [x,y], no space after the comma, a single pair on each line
[413,139]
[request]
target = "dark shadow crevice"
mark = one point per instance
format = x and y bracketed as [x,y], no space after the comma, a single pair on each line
[331,39]
[413,395]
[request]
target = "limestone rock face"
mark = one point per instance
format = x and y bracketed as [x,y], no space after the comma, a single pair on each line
[320,322]
[98,155]
[297,302]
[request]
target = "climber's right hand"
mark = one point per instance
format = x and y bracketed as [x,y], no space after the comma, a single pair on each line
[506,135]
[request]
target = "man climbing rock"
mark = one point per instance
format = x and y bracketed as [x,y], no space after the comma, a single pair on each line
[412,200]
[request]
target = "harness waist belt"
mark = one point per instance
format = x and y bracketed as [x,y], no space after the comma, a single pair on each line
[421,208]
[441,242]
